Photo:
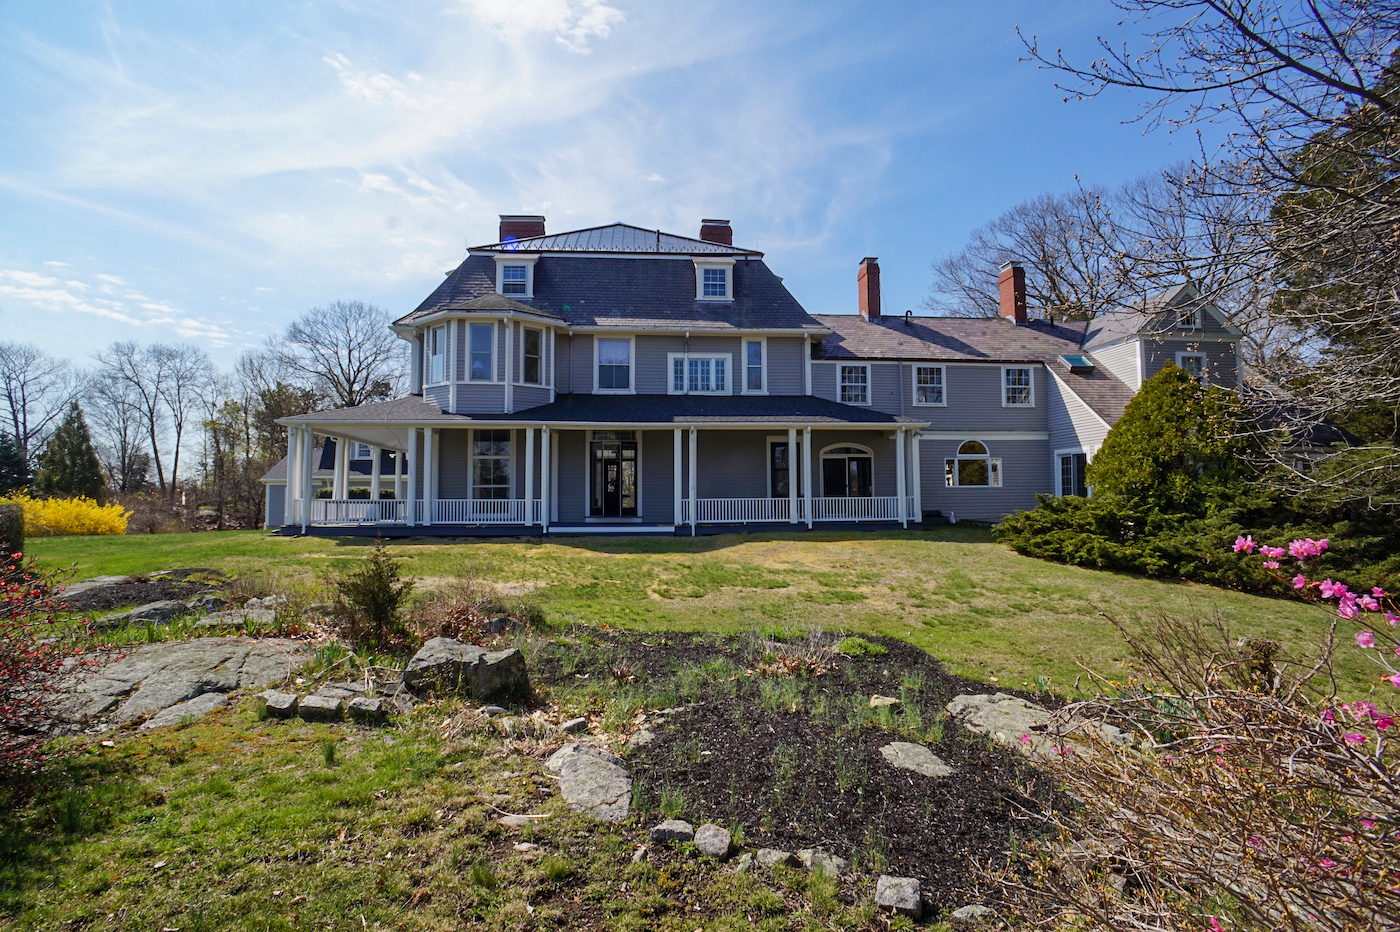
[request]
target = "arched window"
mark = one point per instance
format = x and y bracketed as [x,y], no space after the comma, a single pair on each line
[973,465]
[847,471]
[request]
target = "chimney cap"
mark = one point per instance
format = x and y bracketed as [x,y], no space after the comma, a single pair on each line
[539,217]
[723,222]
[1011,264]
[870,260]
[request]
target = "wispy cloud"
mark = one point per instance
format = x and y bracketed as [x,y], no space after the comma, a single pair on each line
[574,24]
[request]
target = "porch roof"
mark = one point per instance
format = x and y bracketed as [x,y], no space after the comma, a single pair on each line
[698,409]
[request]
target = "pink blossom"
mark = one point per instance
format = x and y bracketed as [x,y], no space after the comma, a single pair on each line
[1346,608]
[1384,723]
[1328,715]
[1378,592]
[1273,553]
[1300,581]
[1025,739]
[1332,590]
[1215,925]
[1392,618]
[1368,603]
[1363,708]
[1327,864]
[1394,679]
[1245,543]
[1307,547]
[1271,564]
[1365,639]
[1352,737]
[1367,824]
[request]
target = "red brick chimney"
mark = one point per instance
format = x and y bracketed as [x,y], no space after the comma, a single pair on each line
[1012,285]
[521,226]
[716,231]
[868,287]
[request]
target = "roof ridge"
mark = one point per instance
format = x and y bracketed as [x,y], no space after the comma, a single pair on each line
[521,243]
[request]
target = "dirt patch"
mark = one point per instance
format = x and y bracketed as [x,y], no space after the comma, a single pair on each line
[780,740]
[176,584]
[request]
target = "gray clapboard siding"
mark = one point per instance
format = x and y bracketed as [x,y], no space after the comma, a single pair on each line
[730,463]
[785,366]
[1073,424]
[454,463]
[1025,471]
[530,396]
[1122,361]
[1222,365]
[657,501]
[275,500]
[440,395]
[572,479]
[481,398]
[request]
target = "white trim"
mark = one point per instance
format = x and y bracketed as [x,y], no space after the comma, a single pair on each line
[429,355]
[671,359]
[720,263]
[744,342]
[631,389]
[987,434]
[807,474]
[1030,388]
[677,493]
[1204,374]
[1055,465]
[508,351]
[806,364]
[914,385]
[826,452]
[790,437]
[520,378]
[454,336]
[868,388]
[467,355]
[994,470]
[901,488]
[514,259]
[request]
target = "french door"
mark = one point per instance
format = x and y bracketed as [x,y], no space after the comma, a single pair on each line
[612,458]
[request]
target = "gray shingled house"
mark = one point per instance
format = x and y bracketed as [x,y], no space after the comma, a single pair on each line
[622,380]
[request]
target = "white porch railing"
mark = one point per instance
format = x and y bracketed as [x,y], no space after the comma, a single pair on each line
[358,511]
[756,510]
[873,508]
[486,511]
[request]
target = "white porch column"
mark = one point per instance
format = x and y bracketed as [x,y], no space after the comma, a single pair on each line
[694,505]
[412,497]
[289,508]
[399,457]
[340,485]
[792,475]
[807,473]
[429,476]
[307,446]
[899,476]
[917,475]
[374,482]
[529,475]
[679,492]
[546,478]
[510,360]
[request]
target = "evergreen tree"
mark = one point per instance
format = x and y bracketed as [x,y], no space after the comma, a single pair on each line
[1173,450]
[69,465]
[14,470]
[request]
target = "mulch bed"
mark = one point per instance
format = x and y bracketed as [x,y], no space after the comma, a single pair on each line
[177,584]
[797,780]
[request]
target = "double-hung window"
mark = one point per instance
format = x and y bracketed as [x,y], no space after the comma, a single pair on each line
[699,374]
[1017,387]
[360,451]
[437,355]
[1193,364]
[531,352]
[482,346]
[755,376]
[614,364]
[714,279]
[928,385]
[855,385]
[1191,318]
[490,464]
[515,275]
[514,280]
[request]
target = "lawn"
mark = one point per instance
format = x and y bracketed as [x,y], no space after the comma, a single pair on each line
[985,611]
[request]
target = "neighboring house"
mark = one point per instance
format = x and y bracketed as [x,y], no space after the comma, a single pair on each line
[623,380]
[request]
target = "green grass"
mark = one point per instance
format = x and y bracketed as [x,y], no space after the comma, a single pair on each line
[987,612]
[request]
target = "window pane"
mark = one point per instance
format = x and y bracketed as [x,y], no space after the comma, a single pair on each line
[481,338]
[513,279]
[928,382]
[614,352]
[972,472]
[721,377]
[1018,386]
[714,283]
[972,448]
[678,375]
[531,367]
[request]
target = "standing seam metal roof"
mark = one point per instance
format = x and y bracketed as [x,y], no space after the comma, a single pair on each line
[617,237]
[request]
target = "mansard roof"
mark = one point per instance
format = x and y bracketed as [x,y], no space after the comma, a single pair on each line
[630,294]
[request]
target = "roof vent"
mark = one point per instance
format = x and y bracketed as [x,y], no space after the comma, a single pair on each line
[908,318]
[1080,365]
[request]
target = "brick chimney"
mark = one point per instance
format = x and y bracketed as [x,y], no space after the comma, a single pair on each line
[868,287]
[521,226]
[716,231]
[1012,285]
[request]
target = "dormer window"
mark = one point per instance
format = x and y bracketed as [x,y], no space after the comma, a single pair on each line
[1191,318]
[515,276]
[714,279]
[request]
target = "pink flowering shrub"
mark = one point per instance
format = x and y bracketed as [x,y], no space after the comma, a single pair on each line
[1252,797]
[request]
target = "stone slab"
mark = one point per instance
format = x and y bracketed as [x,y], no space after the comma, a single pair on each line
[915,757]
[900,895]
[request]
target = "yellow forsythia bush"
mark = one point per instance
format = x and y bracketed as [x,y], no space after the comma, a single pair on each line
[57,517]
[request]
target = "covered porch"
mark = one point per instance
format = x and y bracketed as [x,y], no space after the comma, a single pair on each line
[692,472]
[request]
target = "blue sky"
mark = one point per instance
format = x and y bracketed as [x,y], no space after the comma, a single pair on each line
[207,171]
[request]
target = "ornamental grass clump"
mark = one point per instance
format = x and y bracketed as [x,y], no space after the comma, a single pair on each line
[1251,797]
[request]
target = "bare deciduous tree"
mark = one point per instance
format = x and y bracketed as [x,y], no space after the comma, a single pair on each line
[344,350]
[35,389]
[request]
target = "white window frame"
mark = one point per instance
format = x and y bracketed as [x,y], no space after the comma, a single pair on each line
[520,372]
[725,265]
[840,375]
[467,355]
[631,388]
[952,468]
[687,358]
[1057,468]
[517,259]
[508,456]
[831,452]
[794,463]
[360,448]
[1006,401]
[1204,374]
[942,385]
[436,355]
[1188,318]
[762,366]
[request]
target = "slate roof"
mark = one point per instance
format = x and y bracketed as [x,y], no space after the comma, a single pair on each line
[696,409]
[631,294]
[409,409]
[1100,389]
[618,237]
[947,339]
[323,455]
[493,302]
[1120,323]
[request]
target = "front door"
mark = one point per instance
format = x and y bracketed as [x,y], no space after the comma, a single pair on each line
[846,473]
[613,473]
